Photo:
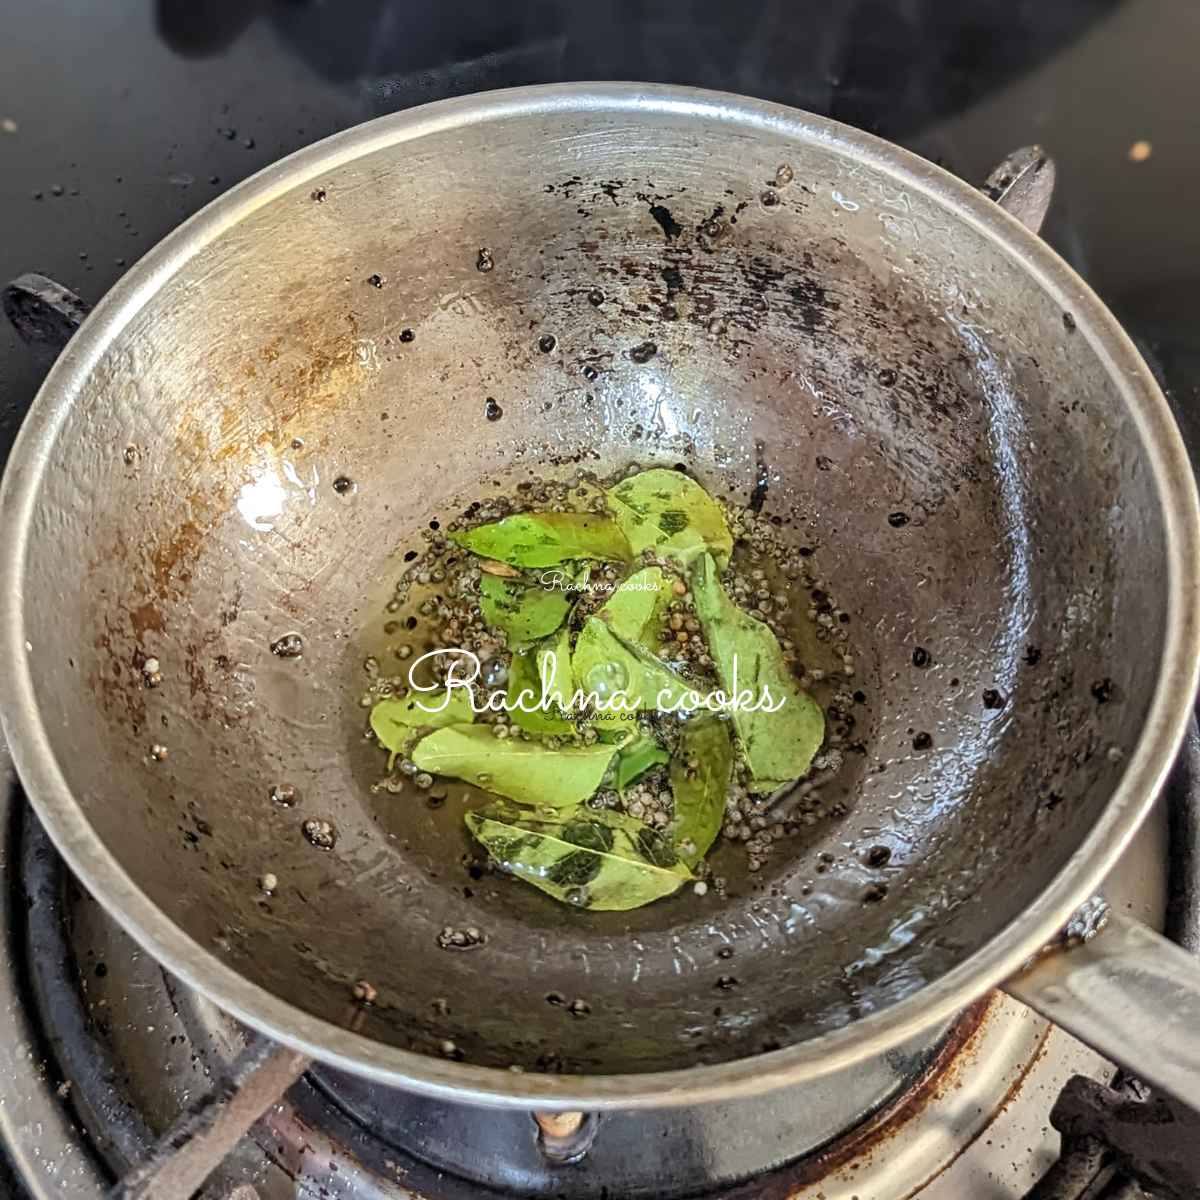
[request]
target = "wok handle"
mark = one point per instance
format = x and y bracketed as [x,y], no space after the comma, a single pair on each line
[1022,185]
[1130,994]
[44,313]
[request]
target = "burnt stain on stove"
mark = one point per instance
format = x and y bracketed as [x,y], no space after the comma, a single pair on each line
[956,1055]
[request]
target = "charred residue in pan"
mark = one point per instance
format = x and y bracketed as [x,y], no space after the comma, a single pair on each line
[875,349]
[665,221]
[283,393]
[702,273]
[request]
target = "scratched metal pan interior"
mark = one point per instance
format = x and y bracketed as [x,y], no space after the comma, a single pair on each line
[880,353]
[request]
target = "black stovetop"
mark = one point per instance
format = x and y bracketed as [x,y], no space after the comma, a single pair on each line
[119,119]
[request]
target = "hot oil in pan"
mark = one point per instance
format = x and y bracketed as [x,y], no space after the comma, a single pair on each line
[432,604]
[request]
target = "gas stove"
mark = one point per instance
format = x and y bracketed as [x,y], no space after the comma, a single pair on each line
[114,1074]
[121,119]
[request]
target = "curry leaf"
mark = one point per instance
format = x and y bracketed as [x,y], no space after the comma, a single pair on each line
[527,772]
[700,770]
[609,667]
[525,676]
[635,759]
[616,728]
[634,611]
[524,613]
[547,539]
[395,721]
[778,746]
[490,566]
[554,667]
[668,512]
[594,859]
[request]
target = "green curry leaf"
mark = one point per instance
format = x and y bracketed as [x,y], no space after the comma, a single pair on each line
[547,539]
[636,758]
[395,721]
[634,611]
[527,772]
[607,665]
[617,728]
[672,514]
[778,746]
[700,771]
[524,613]
[594,859]
[554,665]
[525,675]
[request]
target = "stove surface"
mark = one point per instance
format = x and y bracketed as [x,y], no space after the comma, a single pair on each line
[119,120]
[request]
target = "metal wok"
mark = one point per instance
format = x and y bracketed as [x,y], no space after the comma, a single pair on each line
[877,336]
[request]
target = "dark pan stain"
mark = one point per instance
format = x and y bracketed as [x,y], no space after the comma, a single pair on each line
[762,477]
[666,222]
[146,617]
[812,304]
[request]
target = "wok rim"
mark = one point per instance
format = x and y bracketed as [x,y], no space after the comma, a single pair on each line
[935,1003]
